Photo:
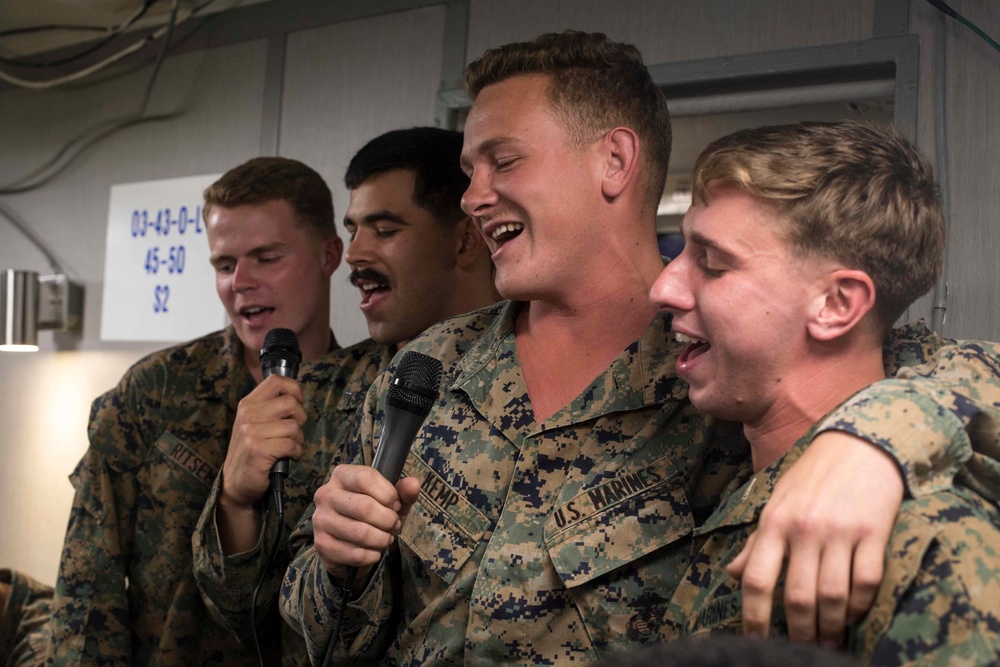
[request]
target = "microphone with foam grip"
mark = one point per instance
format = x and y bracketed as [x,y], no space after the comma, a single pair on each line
[280,356]
[412,392]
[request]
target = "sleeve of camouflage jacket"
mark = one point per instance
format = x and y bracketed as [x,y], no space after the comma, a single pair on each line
[310,601]
[930,419]
[940,601]
[24,621]
[227,582]
[90,608]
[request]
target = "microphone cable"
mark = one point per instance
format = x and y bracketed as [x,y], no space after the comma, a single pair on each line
[276,500]
[279,356]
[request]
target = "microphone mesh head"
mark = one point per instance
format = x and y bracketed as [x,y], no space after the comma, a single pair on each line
[416,381]
[279,344]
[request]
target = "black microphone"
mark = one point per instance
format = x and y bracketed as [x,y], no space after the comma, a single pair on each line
[280,356]
[412,392]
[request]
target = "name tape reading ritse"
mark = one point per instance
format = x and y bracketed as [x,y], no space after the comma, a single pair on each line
[158,283]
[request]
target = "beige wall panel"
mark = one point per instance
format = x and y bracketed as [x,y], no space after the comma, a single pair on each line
[675,30]
[973,259]
[345,84]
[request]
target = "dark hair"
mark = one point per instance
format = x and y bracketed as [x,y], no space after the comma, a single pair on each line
[595,85]
[432,154]
[265,179]
[855,192]
[726,650]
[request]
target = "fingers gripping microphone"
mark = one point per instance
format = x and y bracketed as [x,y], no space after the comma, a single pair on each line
[412,391]
[280,356]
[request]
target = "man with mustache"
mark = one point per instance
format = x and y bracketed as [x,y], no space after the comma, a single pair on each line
[416,259]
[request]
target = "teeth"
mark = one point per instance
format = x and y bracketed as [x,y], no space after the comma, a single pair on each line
[366,286]
[252,310]
[683,338]
[506,227]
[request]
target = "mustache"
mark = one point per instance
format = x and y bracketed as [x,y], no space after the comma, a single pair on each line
[366,274]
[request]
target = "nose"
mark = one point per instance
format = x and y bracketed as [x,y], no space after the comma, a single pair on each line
[359,250]
[480,195]
[672,289]
[243,277]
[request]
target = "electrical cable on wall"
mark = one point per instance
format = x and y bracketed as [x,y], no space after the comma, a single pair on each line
[110,60]
[944,7]
[112,33]
[113,58]
[72,150]
[37,242]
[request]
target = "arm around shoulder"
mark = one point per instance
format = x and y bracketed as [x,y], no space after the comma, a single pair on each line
[934,419]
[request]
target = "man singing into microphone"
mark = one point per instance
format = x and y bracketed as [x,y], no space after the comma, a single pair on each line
[125,594]
[822,234]
[416,259]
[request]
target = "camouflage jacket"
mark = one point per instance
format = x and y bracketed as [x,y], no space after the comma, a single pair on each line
[125,593]
[939,602]
[334,388]
[532,543]
[24,621]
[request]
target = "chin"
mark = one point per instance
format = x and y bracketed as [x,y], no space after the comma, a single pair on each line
[702,400]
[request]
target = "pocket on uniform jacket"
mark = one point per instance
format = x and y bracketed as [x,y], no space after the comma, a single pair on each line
[176,481]
[184,457]
[617,522]
[443,527]
[620,549]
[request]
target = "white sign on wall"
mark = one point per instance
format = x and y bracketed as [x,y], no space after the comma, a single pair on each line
[158,282]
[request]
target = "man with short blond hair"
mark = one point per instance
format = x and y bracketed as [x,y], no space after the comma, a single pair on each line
[832,230]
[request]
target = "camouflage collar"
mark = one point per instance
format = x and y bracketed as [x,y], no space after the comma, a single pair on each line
[643,375]
[744,505]
[225,376]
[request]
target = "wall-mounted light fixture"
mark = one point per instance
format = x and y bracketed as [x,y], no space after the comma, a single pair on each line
[29,302]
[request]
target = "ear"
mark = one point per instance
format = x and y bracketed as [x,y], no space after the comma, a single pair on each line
[621,159]
[848,295]
[333,250]
[469,243]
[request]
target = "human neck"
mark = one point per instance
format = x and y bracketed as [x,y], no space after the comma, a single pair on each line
[563,344]
[474,290]
[815,390]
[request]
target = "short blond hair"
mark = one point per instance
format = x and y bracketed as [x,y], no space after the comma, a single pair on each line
[595,85]
[263,179]
[851,191]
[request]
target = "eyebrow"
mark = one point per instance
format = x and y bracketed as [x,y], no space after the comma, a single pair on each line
[706,242]
[485,147]
[377,216]
[254,252]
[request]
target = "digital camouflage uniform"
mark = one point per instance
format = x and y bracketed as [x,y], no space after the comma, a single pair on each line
[334,388]
[939,602]
[125,594]
[530,543]
[24,621]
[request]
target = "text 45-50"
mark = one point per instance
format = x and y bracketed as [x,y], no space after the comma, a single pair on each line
[172,259]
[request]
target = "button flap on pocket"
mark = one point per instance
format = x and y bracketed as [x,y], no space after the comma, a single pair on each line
[617,522]
[443,527]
